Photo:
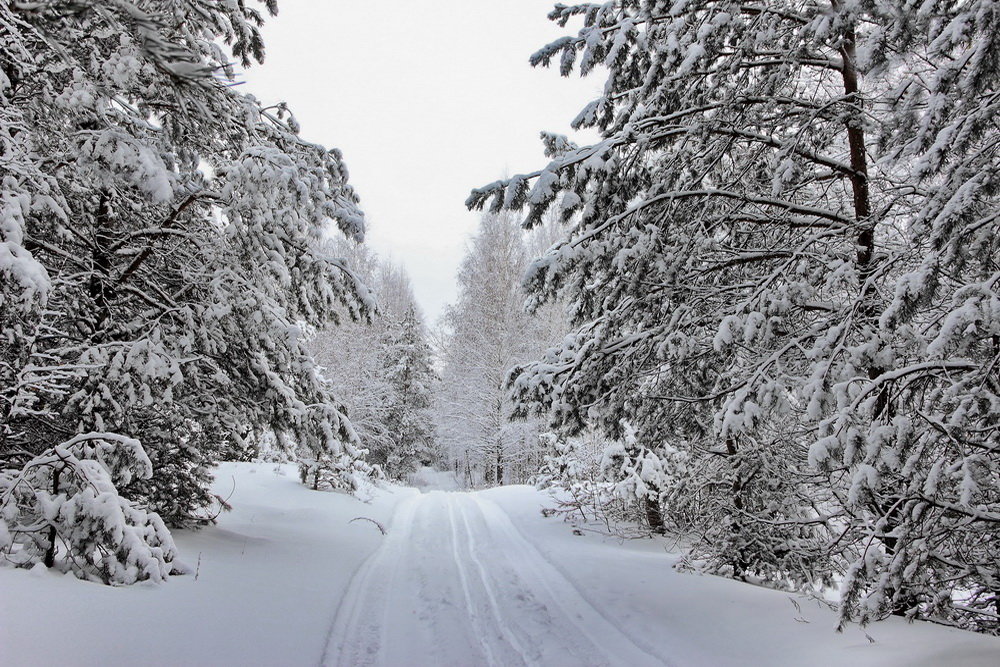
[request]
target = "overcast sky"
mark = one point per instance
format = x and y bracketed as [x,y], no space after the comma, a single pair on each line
[427,100]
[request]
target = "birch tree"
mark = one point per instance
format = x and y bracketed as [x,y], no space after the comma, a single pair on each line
[487,333]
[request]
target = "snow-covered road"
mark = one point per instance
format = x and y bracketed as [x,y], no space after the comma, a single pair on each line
[289,577]
[455,583]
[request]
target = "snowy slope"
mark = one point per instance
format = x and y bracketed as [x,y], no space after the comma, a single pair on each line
[461,579]
[715,622]
[269,581]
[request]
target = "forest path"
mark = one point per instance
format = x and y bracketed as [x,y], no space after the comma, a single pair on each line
[455,583]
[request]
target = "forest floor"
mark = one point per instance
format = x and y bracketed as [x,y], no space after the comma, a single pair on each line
[460,578]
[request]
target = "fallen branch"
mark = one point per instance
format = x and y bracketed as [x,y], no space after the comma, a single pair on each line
[377,524]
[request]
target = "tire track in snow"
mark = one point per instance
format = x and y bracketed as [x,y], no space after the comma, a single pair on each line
[347,618]
[503,629]
[455,583]
[467,592]
[405,605]
[535,610]
[618,645]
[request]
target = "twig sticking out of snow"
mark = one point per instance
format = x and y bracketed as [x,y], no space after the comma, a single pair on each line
[379,525]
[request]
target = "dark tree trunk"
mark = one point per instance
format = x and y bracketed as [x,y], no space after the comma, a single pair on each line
[50,552]
[654,514]
[741,563]
[884,409]
[99,286]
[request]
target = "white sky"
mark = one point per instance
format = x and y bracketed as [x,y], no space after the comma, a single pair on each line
[427,100]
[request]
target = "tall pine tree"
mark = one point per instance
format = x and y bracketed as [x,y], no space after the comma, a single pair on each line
[409,421]
[783,259]
[159,237]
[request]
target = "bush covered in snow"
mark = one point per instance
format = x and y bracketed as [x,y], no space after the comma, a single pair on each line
[63,509]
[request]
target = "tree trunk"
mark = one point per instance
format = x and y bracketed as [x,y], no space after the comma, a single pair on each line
[740,563]
[50,552]
[99,286]
[654,514]
[865,262]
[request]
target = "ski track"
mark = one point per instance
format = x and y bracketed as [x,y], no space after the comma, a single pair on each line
[456,584]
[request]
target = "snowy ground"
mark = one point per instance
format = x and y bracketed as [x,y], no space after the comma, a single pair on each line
[460,579]
[456,584]
[270,576]
[428,479]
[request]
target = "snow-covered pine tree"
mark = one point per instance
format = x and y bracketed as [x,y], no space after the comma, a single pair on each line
[921,436]
[159,233]
[349,355]
[409,421]
[768,176]
[63,508]
[682,224]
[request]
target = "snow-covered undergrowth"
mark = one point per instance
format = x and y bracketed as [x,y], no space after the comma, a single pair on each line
[268,579]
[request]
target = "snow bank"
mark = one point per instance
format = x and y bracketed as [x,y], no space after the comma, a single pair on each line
[268,580]
[711,621]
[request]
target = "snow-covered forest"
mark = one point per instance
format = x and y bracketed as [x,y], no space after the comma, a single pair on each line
[733,343]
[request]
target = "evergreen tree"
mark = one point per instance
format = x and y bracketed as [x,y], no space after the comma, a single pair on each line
[381,367]
[407,359]
[783,260]
[159,237]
